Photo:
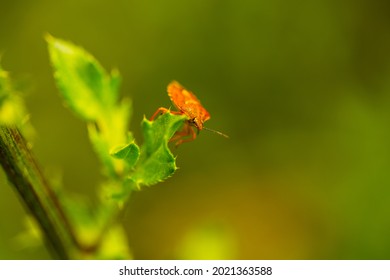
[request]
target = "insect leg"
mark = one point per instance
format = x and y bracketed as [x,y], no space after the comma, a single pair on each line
[159,110]
[187,131]
[163,111]
[181,133]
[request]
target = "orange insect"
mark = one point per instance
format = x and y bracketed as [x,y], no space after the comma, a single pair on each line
[187,104]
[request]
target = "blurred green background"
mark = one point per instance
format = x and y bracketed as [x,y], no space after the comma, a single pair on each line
[301,87]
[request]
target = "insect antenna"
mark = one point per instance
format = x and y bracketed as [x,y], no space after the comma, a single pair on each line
[215,131]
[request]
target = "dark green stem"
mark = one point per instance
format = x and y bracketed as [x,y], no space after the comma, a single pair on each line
[22,171]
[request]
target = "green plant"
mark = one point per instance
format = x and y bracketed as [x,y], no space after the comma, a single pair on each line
[73,229]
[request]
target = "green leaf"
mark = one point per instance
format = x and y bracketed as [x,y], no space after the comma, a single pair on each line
[86,87]
[157,163]
[12,108]
[102,149]
[119,192]
[129,153]
[93,94]
[114,245]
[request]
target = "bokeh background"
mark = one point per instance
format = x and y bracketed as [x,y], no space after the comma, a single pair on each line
[301,87]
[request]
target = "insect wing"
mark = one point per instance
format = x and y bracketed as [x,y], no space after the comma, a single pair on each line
[187,102]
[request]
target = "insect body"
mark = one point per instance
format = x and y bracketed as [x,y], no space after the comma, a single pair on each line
[187,104]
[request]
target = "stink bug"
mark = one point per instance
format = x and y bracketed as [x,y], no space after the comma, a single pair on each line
[187,104]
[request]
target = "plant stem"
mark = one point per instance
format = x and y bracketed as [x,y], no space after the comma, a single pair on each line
[23,172]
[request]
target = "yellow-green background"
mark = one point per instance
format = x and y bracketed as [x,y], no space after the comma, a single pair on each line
[301,87]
